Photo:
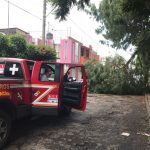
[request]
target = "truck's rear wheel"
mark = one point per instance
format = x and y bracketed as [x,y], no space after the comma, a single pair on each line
[5,125]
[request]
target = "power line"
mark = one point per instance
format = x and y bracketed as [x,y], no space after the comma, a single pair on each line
[89,35]
[81,29]
[47,16]
[34,31]
[23,9]
[50,12]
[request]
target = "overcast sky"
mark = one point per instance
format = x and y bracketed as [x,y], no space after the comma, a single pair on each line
[78,25]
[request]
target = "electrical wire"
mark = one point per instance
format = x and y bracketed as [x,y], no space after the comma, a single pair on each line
[50,12]
[81,30]
[47,16]
[23,9]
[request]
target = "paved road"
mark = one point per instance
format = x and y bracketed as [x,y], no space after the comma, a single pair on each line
[98,128]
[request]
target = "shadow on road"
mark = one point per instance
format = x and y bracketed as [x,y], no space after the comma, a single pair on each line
[24,127]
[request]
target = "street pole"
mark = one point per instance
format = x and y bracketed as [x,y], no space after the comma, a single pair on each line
[44,22]
[68,31]
[8,18]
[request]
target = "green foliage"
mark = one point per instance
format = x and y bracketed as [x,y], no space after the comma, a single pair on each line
[138,7]
[125,23]
[113,23]
[17,47]
[47,53]
[122,22]
[3,45]
[113,78]
[62,7]
[32,53]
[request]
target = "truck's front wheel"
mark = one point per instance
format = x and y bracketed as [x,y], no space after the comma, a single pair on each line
[65,111]
[5,125]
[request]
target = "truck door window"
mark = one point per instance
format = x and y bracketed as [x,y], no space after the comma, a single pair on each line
[13,70]
[47,72]
[73,74]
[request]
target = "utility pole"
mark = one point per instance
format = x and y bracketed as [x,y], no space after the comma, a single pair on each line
[44,22]
[8,18]
[68,31]
[48,28]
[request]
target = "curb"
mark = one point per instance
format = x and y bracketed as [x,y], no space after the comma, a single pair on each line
[147,102]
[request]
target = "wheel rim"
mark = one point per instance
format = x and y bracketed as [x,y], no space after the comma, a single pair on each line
[3,129]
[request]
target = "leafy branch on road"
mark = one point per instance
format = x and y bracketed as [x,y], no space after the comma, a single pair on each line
[112,77]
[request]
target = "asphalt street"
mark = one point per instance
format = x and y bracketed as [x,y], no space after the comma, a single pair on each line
[109,123]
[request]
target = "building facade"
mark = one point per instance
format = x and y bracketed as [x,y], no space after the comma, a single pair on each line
[13,31]
[70,50]
[87,54]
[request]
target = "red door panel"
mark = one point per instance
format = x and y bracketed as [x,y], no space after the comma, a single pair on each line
[45,91]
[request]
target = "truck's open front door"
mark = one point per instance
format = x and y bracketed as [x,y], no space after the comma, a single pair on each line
[74,91]
[45,87]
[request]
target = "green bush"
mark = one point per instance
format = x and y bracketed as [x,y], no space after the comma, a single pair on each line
[3,45]
[47,53]
[32,53]
[17,47]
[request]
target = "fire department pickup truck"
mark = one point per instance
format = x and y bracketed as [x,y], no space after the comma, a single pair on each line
[24,93]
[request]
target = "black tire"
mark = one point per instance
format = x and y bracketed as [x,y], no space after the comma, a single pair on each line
[5,126]
[65,111]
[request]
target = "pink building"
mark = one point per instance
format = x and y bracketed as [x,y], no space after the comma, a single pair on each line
[29,39]
[38,41]
[70,50]
[50,42]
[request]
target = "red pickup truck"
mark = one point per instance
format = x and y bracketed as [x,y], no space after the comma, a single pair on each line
[24,91]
